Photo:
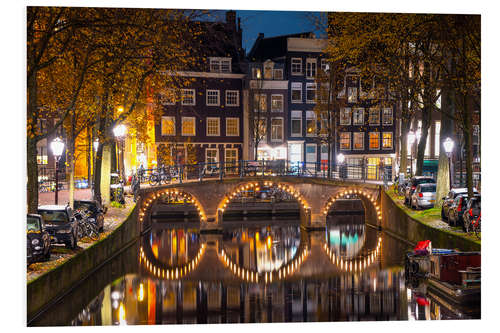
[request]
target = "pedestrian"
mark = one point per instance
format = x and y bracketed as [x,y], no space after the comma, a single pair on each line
[136,186]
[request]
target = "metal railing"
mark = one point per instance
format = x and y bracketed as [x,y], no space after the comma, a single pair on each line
[242,168]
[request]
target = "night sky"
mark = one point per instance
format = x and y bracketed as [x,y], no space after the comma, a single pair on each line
[274,23]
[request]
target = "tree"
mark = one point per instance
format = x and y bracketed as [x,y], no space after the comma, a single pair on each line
[258,112]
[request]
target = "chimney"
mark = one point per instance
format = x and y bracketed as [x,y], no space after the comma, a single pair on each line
[231,19]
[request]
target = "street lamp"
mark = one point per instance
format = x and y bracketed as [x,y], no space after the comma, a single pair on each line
[411,140]
[340,160]
[119,132]
[57,147]
[96,144]
[448,148]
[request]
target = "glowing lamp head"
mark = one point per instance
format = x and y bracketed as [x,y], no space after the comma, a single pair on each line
[340,158]
[96,144]
[119,130]
[57,147]
[448,145]
[411,137]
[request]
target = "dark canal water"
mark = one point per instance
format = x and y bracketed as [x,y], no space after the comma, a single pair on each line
[254,272]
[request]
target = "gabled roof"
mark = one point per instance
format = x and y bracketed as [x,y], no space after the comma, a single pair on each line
[272,47]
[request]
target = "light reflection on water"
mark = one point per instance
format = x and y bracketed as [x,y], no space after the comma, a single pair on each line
[317,289]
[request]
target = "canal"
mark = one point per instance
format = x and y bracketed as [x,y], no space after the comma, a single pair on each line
[255,271]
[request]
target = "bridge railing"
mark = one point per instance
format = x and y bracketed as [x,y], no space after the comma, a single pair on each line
[242,168]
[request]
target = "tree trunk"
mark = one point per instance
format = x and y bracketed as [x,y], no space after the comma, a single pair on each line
[97,173]
[32,186]
[105,174]
[403,150]
[468,145]
[71,162]
[426,118]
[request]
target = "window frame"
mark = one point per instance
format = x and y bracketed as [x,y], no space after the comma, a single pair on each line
[207,119]
[341,142]
[194,126]
[349,118]
[237,97]
[207,91]
[370,140]
[370,123]
[315,122]
[362,134]
[183,92]
[237,126]
[163,100]
[354,111]
[282,129]
[383,117]
[275,70]
[161,125]
[355,98]
[300,72]
[309,71]
[308,85]
[292,119]
[282,102]
[292,88]
[259,102]
[392,141]
[216,154]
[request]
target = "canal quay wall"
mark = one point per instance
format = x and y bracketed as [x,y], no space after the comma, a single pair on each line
[47,289]
[395,221]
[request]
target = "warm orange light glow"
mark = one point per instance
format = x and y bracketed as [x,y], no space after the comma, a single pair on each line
[140,295]
[269,242]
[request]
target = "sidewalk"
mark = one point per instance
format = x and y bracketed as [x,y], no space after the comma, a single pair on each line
[48,198]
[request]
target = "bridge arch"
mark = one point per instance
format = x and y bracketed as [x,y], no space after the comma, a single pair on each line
[357,264]
[372,207]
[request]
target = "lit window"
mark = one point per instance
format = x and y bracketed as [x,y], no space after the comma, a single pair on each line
[232,126]
[188,126]
[296,123]
[213,128]
[345,140]
[374,117]
[345,116]
[231,159]
[310,92]
[277,129]
[268,70]
[358,116]
[256,73]
[260,103]
[311,67]
[310,123]
[260,129]
[276,103]
[296,92]
[358,139]
[213,97]
[167,97]
[387,117]
[168,126]
[188,97]
[211,156]
[296,66]
[278,74]
[374,140]
[225,66]
[352,95]
[41,156]
[232,98]
[387,140]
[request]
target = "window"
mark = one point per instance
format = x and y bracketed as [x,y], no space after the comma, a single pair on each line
[358,116]
[358,139]
[310,92]
[232,98]
[296,66]
[213,126]
[277,129]
[256,73]
[323,123]
[276,103]
[345,140]
[310,123]
[213,97]
[42,125]
[212,156]
[188,126]
[310,68]
[232,126]
[231,159]
[374,140]
[345,116]
[260,103]
[220,65]
[168,126]
[436,138]
[387,140]
[323,65]
[268,70]
[225,66]
[41,155]
[352,93]
[296,92]
[374,117]
[188,97]
[260,127]
[296,123]
[167,98]
[387,117]
[278,74]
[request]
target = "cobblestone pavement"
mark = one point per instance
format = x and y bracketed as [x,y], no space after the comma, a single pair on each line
[112,219]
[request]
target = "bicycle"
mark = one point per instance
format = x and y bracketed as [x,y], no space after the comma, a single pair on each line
[85,226]
[475,226]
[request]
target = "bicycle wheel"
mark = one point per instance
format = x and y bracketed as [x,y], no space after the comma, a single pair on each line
[153,180]
[80,232]
[477,229]
[93,233]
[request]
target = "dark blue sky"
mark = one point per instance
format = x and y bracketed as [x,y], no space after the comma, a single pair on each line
[273,23]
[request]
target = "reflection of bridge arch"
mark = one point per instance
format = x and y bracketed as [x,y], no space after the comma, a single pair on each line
[368,200]
[170,193]
[357,264]
[255,186]
[169,273]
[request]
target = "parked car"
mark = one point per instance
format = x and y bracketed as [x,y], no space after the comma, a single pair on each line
[456,210]
[95,209]
[116,189]
[472,211]
[412,185]
[448,200]
[61,224]
[38,239]
[424,196]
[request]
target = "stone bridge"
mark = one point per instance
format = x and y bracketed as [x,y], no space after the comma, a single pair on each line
[315,197]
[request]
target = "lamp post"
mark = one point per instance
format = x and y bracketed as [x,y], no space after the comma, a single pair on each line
[411,140]
[57,147]
[119,132]
[340,160]
[448,148]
